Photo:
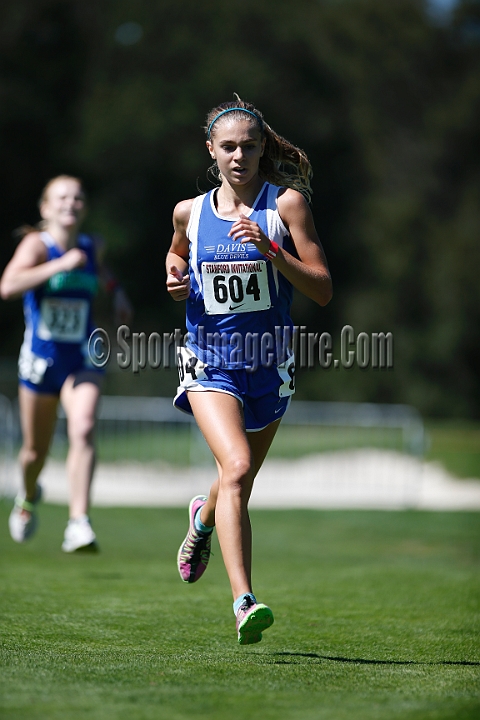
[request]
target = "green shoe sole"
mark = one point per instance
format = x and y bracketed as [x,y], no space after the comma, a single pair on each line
[253,624]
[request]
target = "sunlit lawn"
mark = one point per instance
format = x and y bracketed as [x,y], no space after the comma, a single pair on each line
[376,617]
[456,446]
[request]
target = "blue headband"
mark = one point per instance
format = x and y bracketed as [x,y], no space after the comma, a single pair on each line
[231,110]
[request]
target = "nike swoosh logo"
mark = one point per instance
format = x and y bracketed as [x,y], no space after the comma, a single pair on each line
[234,307]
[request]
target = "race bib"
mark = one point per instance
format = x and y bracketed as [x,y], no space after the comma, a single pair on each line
[287,374]
[63,320]
[30,366]
[190,368]
[235,287]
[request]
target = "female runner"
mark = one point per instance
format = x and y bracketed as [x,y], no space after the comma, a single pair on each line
[56,269]
[236,254]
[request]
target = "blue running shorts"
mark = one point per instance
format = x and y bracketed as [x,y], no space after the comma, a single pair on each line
[44,376]
[265,394]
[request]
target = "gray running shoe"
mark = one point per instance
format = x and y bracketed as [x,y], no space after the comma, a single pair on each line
[23,521]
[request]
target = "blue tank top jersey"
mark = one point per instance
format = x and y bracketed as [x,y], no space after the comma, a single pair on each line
[58,313]
[236,292]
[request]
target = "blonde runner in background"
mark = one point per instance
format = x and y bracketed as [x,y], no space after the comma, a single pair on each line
[56,269]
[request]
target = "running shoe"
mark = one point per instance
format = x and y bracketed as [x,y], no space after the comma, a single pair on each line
[194,552]
[252,619]
[79,535]
[23,520]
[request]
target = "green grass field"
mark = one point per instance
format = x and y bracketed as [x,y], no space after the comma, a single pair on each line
[456,446]
[376,617]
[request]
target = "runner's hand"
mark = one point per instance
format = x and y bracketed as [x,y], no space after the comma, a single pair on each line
[244,230]
[178,285]
[73,259]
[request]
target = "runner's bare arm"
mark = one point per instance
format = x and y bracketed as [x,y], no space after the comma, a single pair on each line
[178,280]
[28,267]
[309,273]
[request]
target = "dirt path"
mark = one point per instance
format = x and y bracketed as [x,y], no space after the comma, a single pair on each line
[357,479]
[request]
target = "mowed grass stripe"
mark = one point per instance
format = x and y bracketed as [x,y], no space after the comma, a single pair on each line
[376,616]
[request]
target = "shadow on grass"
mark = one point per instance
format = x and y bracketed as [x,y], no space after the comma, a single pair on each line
[364,661]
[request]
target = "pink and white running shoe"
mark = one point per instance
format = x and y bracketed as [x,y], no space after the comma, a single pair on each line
[194,552]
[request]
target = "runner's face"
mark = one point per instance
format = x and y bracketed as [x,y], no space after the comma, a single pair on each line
[65,203]
[237,146]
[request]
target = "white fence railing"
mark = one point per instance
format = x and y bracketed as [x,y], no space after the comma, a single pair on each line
[342,450]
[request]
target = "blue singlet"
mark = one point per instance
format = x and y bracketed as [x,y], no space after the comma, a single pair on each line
[58,322]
